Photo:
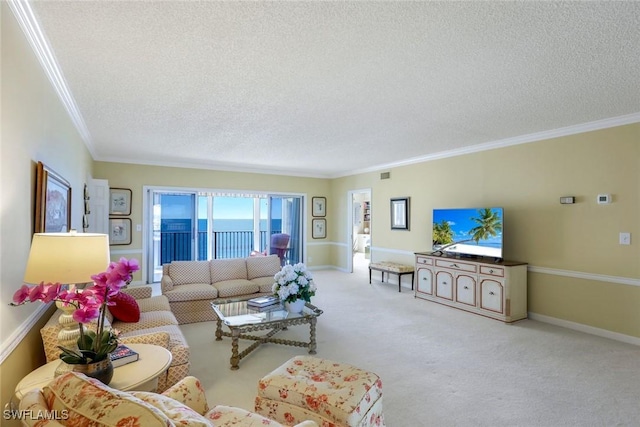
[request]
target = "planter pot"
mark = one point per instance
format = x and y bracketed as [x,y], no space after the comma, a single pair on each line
[102,371]
[294,307]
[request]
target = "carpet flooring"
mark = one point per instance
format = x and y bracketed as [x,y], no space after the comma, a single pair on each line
[441,366]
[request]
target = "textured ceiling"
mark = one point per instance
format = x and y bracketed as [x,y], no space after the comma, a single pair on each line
[332,88]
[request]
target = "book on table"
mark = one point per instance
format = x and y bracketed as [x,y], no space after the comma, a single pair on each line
[123,355]
[263,301]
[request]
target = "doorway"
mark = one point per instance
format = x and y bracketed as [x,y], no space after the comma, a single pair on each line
[359,247]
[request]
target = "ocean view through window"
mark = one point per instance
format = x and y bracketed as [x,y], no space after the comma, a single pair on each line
[201,226]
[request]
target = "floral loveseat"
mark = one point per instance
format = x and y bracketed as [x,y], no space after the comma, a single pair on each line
[77,400]
[191,286]
[156,325]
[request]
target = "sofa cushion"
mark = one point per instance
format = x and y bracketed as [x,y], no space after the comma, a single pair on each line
[264,283]
[231,416]
[157,303]
[232,288]
[192,292]
[176,411]
[125,308]
[177,343]
[228,269]
[148,320]
[264,266]
[87,401]
[183,272]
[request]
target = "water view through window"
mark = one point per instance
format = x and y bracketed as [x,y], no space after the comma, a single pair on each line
[201,226]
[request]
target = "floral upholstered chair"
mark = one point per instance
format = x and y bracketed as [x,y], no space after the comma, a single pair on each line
[74,399]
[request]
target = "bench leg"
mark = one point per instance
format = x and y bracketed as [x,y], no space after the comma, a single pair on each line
[369,275]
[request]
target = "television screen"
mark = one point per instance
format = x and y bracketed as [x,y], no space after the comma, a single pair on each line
[469,231]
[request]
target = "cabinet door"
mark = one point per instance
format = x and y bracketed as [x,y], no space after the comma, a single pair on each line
[425,281]
[466,289]
[444,285]
[491,295]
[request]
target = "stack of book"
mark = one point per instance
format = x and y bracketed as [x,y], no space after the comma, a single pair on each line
[263,302]
[123,355]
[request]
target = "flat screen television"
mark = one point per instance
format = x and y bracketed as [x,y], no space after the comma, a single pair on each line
[474,232]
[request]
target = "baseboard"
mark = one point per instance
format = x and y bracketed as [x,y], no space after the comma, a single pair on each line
[585,328]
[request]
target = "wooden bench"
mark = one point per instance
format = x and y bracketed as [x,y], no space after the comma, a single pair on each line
[392,268]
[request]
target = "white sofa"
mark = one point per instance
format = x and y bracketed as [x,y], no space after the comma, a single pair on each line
[191,286]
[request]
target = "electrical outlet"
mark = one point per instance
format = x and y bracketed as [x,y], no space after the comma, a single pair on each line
[625,238]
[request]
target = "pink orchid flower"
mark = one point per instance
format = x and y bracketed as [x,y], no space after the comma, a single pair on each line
[21,295]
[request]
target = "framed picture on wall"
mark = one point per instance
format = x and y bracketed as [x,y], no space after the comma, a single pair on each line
[119,201]
[53,201]
[319,228]
[119,231]
[318,206]
[400,213]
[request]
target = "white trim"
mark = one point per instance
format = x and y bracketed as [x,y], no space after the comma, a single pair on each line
[40,46]
[10,344]
[507,142]
[585,328]
[585,276]
[125,251]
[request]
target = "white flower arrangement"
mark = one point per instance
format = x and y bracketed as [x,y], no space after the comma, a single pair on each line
[294,282]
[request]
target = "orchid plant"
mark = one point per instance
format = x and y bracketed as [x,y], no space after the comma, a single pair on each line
[90,305]
[294,282]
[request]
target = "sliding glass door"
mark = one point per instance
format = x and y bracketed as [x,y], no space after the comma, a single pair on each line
[196,225]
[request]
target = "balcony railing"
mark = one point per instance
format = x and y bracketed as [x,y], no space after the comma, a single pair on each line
[176,245]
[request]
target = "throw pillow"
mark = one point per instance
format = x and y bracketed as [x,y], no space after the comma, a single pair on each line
[126,308]
[86,401]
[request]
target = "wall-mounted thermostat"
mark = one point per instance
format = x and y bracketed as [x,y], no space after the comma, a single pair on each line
[604,199]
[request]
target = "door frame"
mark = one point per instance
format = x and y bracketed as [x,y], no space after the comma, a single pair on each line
[350,219]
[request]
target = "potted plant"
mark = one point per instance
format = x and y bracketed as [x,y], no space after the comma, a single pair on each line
[294,286]
[93,347]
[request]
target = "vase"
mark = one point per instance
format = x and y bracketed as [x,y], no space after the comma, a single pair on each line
[295,306]
[102,370]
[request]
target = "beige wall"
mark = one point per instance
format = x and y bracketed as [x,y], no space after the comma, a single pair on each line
[35,127]
[528,180]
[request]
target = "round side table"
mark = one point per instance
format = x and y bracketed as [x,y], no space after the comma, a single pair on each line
[141,375]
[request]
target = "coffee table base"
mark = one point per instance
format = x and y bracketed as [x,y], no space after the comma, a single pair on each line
[238,333]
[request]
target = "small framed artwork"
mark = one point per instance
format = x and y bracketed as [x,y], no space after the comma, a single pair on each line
[318,206]
[119,201]
[53,201]
[319,228]
[119,231]
[400,213]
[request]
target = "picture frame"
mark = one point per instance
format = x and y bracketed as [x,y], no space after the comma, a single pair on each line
[119,201]
[319,206]
[119,231]
[319,228]
[53,201]
[400,213]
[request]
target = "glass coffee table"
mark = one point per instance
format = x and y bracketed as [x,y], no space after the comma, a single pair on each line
[242,320]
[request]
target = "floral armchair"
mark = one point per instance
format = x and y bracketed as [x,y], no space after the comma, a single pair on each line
[73,399]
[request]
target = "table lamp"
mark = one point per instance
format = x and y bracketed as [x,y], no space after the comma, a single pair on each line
[70,259]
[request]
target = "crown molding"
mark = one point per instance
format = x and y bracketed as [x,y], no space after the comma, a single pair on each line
[41,48]
[508,142]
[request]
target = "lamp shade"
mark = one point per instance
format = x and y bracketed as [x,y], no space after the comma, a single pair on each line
[66,258]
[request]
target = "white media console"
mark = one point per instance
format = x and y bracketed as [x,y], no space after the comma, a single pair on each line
[481,286]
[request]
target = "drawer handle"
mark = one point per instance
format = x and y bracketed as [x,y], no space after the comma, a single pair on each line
[491,293]
[455,265]
[466,287]
[491,271]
